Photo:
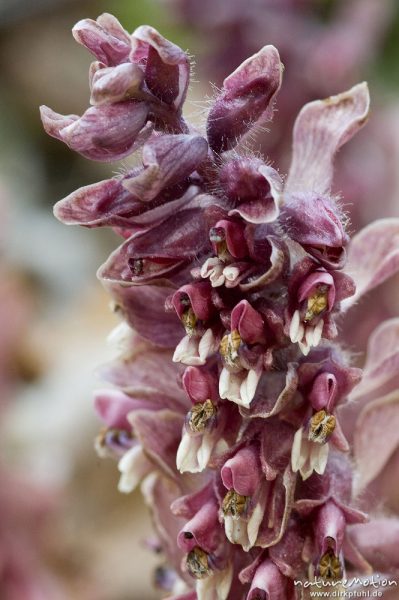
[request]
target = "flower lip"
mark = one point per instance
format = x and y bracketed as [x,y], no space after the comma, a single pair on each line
[195,296]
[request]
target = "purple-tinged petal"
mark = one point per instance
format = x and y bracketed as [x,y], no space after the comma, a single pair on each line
[105,38]
[187,506]
[202,530]
[314,222]
[321,128]
[114,84]
[253,187]
[167,71]
[167,160]
[144,309]
[199,298]
[324,392]
[148,374]
[247,321]
[287,554]
[344,285]
[275,257]
[354,556]
[232,233]
[279,509]
[382,360]
[159,492]
[265,208]
[246,99]
[276,443]
[328,360]
[243,471]
[376,437]
[335,483]
[108,203]
[378,542]
[157,253]
[274,392]
[330,528]
[97,204]
[113,406]
[315,279]
[54,123]
[373,256]
[338,439]
[108,132]
[268,583]
[199,384]
[159,433]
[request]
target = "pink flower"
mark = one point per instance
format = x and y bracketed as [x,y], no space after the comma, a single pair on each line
[238,280]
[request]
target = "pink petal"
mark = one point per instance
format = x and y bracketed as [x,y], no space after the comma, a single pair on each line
[167,160]
[105,38]
[97,204]
[167,67]
[373,256]
[330,525]
[275,391]
[378,542]
[321,128]
[247,321]
[159,493]
[159,433]
[187,506]
[203,530]
[324,392]
[108,132]
[376,436]
[233,234]
[382,361]
[144,309]
[148,373]
[243,472]
[314,279]
[199,294]
[161,250]
[268,580]
[245,100]
[113,84]
[113,406]
[199,384]
[54,123]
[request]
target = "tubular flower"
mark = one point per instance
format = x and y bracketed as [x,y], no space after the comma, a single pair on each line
[233,281]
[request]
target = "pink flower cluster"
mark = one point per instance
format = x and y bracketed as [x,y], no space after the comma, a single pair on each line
[228,396]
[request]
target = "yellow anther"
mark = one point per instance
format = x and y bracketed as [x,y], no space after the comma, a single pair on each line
[321,427]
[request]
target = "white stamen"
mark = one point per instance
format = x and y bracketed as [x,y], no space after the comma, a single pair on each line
[213,269]
[186,457]
[318,332]
[231,273]
[248,387]
[208,345]
[133,466]
[295,327]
